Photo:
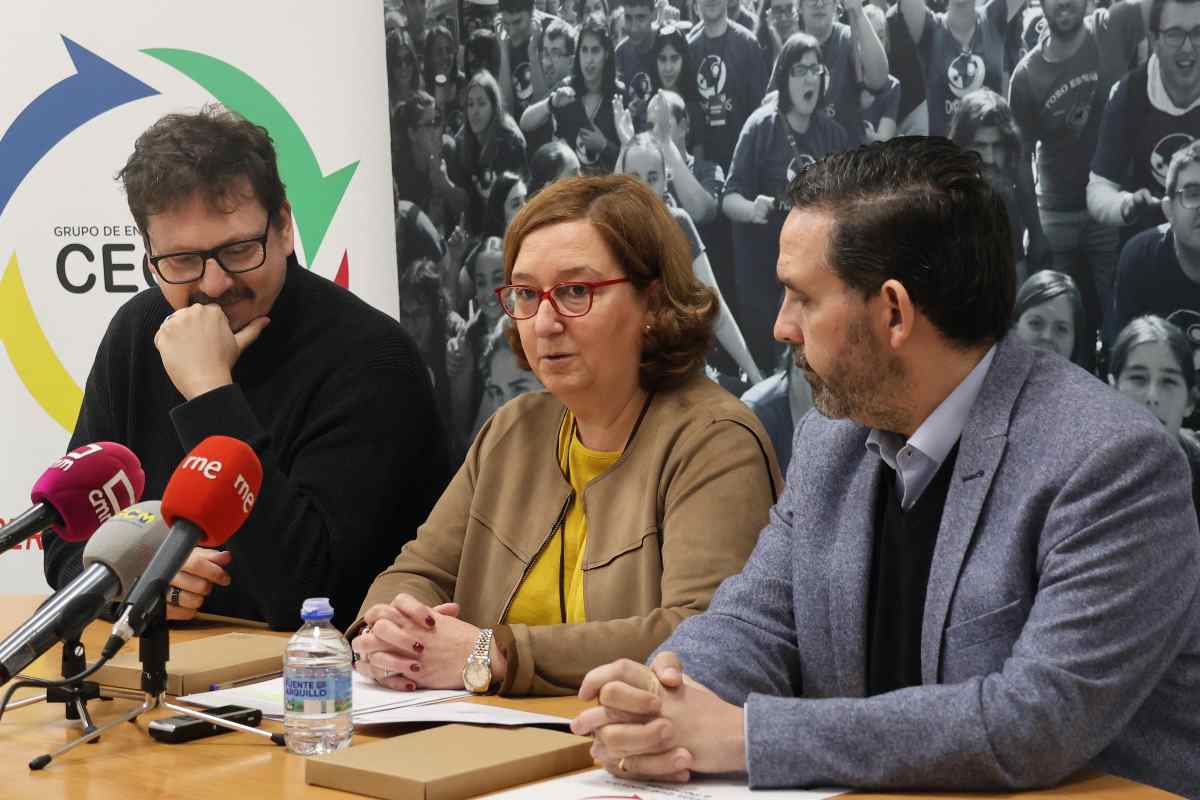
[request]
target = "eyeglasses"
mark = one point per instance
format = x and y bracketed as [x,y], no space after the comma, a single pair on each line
[1173,37]
[234,257]
[1189,196]
[570,298]
[799,70]
[782,12]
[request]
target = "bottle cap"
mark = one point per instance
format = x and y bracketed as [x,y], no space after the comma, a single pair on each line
[440,80]
[316,608]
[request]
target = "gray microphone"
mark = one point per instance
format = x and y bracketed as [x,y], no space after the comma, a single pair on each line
[116,555]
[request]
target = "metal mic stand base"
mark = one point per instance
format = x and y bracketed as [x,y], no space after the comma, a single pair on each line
[148,704]
[154,652]
[75,696]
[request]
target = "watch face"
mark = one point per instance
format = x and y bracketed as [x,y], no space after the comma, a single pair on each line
[477,676]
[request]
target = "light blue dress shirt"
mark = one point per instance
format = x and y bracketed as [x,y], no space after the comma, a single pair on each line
[917,460]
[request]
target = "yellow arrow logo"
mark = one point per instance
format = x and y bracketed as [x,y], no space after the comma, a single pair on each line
[31,354]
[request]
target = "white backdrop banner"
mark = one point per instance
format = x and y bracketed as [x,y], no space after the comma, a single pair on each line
[81,82]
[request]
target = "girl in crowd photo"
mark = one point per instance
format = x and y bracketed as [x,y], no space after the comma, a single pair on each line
[403,67]
[583,111]
[489,143]
[1151,363]
[780,139]
[673,68]
[1048,315]
[443,78]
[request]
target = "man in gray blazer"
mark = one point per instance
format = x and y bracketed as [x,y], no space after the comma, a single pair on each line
[984,571]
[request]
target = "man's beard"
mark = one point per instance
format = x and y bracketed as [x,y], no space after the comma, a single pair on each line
[863,385]
[1064,31]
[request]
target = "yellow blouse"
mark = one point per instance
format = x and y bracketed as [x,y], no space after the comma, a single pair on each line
[538,601]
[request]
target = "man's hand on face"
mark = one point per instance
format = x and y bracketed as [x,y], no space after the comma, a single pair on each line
[657,724]
[199,349]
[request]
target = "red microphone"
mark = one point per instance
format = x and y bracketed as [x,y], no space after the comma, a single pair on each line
[209,496]
[79,492]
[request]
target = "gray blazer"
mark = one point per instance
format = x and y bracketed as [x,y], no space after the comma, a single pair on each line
[1062,615]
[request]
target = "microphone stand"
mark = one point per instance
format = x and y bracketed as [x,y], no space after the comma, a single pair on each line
[74,696]
[154,648]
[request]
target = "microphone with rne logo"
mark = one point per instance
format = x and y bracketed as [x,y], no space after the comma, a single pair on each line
[77,493]
[209,496]
[114,557]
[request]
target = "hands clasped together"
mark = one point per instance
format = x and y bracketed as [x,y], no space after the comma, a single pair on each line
[407,645]
[656,723]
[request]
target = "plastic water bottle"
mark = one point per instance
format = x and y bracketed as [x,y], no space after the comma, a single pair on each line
[317,684]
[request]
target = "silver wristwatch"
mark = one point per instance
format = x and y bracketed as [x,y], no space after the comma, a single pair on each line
[477,673]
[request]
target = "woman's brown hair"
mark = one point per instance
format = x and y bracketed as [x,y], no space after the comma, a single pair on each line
[648,244]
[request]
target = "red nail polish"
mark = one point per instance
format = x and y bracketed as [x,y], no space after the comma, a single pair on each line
[429,621]
[418,647]
[415,668]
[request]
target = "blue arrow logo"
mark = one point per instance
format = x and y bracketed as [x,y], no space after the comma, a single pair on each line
[97,86]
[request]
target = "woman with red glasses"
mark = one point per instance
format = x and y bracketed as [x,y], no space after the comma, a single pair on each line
[590,519]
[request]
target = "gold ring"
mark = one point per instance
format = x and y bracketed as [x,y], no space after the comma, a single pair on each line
[173,596]
[621,765]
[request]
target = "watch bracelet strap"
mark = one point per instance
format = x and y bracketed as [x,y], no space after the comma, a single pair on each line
[483,645]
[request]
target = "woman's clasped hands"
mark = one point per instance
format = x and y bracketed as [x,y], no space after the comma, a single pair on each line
[408,645]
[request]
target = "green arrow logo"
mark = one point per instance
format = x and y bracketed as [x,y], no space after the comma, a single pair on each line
[314,197]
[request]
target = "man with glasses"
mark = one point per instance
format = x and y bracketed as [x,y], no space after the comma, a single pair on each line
[557,55]
[1159,271]
[1152,112]
[239,340]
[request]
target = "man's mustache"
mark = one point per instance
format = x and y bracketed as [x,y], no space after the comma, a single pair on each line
[225,299]
[799,359]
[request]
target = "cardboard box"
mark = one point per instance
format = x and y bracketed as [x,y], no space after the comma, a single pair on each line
[450,762]
[194,666]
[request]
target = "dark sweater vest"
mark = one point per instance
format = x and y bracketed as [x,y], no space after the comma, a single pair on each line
[902,555]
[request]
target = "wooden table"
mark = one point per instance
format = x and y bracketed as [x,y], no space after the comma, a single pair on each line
[128,765]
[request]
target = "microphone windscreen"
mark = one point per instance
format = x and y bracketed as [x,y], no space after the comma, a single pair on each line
[88,486]
[214,488]
[127,542]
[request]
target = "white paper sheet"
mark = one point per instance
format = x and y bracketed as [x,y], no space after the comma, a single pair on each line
[458,712]
[600,785]
[368,696]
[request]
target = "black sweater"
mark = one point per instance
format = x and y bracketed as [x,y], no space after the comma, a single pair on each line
[334,399]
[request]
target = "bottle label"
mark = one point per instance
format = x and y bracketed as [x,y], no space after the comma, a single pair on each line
[329,694]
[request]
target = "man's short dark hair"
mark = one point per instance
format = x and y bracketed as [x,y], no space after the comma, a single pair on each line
[559,29]
[639,3]
[210,152]
[919,210]
[1156,12]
